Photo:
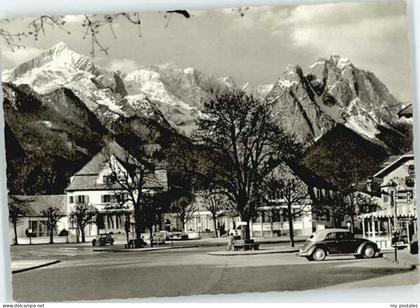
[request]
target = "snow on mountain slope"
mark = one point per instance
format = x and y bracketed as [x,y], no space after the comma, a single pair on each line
[333,92]
[259,91]
[102,91]
[179,93]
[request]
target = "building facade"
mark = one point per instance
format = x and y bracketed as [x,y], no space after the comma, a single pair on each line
[396,202]
[271,219]
[91,185]
[32,228]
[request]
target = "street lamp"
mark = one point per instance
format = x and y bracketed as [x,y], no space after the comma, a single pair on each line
[392,190]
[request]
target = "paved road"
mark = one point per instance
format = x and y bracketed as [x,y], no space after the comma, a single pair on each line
[93,276]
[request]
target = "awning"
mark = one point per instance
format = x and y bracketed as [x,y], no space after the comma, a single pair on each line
[385,214]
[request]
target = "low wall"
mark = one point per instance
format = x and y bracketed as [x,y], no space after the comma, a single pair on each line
[41,240]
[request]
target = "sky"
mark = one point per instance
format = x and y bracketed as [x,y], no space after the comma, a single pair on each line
[253,48]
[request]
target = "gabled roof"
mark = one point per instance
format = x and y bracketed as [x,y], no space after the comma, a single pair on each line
[309,177]
[85,178]
[394,165]
[406,111]
[37,203]
[389,161]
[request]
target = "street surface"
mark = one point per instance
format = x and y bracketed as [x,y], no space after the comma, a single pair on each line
[86,275]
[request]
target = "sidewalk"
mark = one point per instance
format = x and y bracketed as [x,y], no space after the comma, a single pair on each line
[222,241]
[26,265]
[254,252]
[404,257]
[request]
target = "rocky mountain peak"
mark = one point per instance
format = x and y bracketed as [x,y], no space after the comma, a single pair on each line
[333,91]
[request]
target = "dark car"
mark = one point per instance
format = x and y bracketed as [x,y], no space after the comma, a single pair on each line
[103,239]
[337,241]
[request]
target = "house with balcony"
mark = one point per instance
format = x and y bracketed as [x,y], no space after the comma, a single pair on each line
[92,185]
[394,185]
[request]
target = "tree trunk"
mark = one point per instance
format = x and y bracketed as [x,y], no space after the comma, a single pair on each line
[151,235]
[137,218]
[51,237]
[291,231]
[77,235]
[15,231]
[82,232]
[215,225]
[247,231]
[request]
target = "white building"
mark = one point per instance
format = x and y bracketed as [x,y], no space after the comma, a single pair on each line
[90,185]
[32,228]
[395,183]
[271,220]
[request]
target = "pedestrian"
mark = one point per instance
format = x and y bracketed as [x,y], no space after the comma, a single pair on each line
[231,241]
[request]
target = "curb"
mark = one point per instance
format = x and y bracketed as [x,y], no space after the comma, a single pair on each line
[138,249]
[35,267]
[404,264]
[142,249]
[252,252]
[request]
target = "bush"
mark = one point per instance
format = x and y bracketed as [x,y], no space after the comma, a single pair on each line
[63,232]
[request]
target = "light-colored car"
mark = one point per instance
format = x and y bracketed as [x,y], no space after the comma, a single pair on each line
[337,241]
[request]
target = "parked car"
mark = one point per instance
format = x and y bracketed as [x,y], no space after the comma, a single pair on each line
[337,241]
[158,239]
[179,235]
[136,244]
[103,239]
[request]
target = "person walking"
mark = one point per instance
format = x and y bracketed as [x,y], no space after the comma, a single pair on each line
[231,241]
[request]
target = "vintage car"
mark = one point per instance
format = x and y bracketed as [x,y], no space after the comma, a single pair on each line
[158,239]
[103,240]
[337,241]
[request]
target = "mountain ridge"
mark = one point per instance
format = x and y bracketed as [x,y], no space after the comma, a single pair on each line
[332,102]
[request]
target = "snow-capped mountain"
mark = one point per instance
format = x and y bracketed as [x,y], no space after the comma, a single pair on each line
[308,104]
[60,67]
[333,91]
[164,93]
[102,91]
[179,93]
[61,103]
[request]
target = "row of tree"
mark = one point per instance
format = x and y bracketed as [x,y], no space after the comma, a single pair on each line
[82,215]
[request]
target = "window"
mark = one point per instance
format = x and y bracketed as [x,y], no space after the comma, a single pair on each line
[385,198]
[106,178]
[328,215]
[106,198]
[331,236]
[71,200]
[344,236]
[114,198]
[82,199]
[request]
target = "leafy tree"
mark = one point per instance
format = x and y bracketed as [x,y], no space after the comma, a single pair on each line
[53,216]
[18,208]
[184,208]
[215,203]
[154,205]
[83,214]
[249,143]
[132,179]
[295,195]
